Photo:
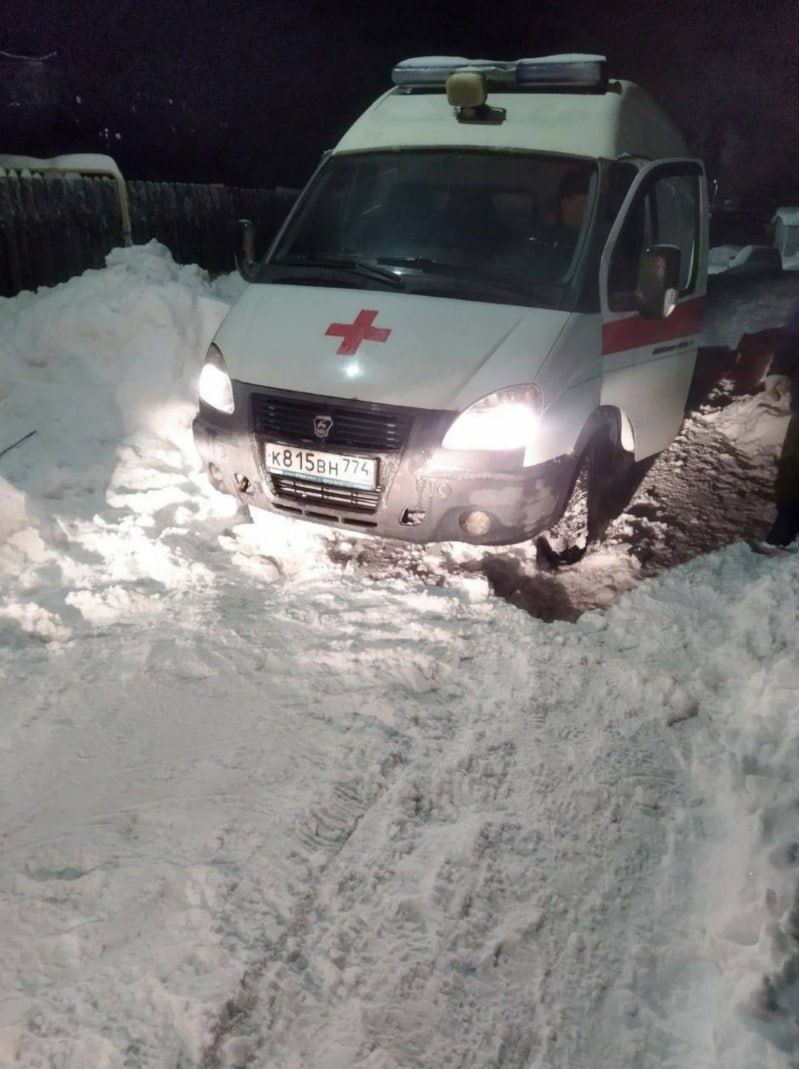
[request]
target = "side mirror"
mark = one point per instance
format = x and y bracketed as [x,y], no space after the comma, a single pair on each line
[246,262]
[658,281]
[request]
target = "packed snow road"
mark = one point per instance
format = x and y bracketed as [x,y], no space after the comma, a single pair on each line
[272,797]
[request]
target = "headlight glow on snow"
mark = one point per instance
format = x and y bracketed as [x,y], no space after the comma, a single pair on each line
[508,419]
[215,387]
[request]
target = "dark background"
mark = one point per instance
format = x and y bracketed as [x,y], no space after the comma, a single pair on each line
[250,92]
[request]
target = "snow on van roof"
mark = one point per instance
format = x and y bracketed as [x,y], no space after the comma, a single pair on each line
[623,120]
[567,71]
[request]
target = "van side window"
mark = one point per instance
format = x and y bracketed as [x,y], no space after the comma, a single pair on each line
[665,212]
[675,206]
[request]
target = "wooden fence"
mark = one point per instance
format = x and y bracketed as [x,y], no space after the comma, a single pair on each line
[55,226]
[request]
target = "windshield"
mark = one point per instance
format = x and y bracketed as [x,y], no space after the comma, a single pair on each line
[487,226]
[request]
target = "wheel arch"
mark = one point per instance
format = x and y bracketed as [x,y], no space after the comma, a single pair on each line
[610,421]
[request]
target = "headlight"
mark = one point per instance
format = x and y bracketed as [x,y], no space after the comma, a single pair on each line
[508,419]
[215,386]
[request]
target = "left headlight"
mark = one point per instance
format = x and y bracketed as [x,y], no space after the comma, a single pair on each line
[215,386]
[507,419]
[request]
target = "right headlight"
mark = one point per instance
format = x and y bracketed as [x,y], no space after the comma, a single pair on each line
[215,386]
[507,419]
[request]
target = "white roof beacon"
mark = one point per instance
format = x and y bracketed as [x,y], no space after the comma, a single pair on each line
[570,72]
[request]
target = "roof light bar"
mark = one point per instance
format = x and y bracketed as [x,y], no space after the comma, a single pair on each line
[575,71]
[568,72]
[431,72]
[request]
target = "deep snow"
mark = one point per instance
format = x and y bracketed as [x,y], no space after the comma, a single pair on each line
[270,796]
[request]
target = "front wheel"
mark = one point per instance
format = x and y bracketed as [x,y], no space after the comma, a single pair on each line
[583,520]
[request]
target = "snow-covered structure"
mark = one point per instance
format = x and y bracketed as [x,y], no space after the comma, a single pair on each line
[87,163]
[786,235]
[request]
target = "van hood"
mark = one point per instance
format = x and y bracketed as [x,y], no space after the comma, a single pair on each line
[390,348]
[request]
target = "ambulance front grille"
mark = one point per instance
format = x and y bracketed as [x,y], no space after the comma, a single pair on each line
[364,426]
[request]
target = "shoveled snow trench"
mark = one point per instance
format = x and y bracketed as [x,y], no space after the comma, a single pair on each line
[272,798]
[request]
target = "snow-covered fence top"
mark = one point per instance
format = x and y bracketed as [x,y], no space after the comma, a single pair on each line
[55,224]
[84,163]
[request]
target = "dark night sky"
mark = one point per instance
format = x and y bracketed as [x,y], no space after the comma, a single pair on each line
[251,91]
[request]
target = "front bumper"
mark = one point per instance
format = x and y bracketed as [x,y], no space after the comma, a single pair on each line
[425,494]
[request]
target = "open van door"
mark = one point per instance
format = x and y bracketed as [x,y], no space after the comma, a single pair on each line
[653,278]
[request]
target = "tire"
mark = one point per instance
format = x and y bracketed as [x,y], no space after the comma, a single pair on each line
[584,520]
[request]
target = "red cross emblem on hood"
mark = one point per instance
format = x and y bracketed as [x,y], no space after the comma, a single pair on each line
[354,333]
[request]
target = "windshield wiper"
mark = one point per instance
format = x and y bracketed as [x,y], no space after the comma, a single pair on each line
[341,262]
[428,265]
[431,266]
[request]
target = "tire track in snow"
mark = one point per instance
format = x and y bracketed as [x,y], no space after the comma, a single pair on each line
[441,927]
[323,830]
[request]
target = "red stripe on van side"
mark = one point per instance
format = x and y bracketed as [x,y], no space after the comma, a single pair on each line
[634,332]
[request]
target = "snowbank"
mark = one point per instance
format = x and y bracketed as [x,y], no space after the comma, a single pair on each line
[738,306]
[107,355]
[13,512]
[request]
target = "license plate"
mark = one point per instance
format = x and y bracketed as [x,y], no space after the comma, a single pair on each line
[360,473]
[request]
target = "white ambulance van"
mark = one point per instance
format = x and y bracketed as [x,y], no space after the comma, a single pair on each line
[487,297]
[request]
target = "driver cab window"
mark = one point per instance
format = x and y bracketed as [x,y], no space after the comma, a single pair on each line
[676,222]
[665,212]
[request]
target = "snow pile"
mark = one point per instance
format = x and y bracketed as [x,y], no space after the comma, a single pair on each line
[742,306]
[720,258]
[97,387]
[272,798]
[108,355]
[757,425]
[728,647]
[13,510]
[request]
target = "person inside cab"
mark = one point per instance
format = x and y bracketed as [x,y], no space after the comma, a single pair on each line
[551,249]
[572,200]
